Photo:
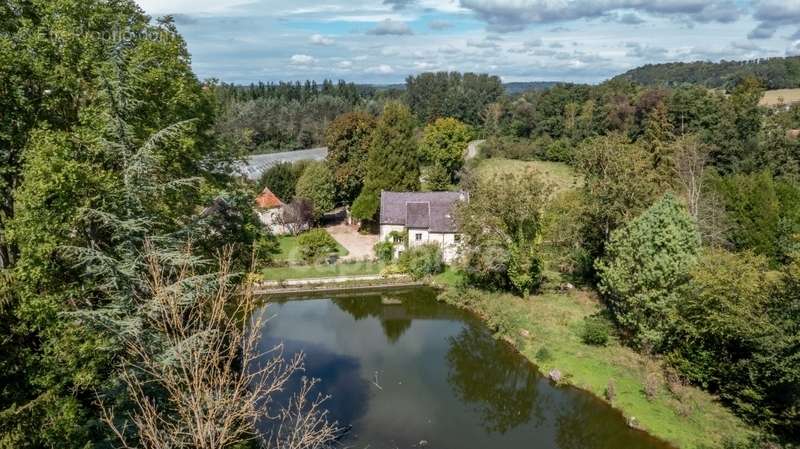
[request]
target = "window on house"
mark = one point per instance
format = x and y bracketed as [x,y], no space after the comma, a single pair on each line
[397,239]
[419,237]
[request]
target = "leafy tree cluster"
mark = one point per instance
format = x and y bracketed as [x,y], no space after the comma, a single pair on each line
[675,178]
[452,94]
[107,155]
[502,224]
[264,118]
[774,73]
[444,147]
[282,179]
[316,185]
[297,91]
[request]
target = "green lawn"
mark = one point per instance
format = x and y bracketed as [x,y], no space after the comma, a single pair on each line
[451,277]
[546,330]
[290,251]
[561,175]
[321,271]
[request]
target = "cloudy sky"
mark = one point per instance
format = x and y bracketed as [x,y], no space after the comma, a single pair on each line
[383,41]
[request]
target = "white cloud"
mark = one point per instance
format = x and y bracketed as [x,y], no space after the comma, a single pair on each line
[383,69]
[344,64]
[516,15]
[391,27]
[318,39]
[302,60]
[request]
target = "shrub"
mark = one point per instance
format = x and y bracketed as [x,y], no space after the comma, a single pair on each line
[316,244]
[595,331]
[366,205]
[421,261]
[384,251]
[560,150]
[543,355]
[510,148]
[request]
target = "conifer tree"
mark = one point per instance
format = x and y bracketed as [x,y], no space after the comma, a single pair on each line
[658,134]
[393,163]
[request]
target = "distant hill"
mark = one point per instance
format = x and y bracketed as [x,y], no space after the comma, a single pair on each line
[775,73]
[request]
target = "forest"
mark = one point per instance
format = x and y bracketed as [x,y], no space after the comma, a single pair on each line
[773,73]
[126,236]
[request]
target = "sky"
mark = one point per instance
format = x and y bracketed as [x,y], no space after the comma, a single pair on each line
[383,41]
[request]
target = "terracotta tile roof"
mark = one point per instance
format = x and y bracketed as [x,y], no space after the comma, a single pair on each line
[268,200]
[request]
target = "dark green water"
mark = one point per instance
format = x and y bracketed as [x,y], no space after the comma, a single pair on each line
[443,378]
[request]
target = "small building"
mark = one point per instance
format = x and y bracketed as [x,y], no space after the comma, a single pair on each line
[419,218]
[270,212]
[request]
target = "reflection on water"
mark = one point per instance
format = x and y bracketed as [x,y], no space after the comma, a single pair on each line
[403,368]
[497,382]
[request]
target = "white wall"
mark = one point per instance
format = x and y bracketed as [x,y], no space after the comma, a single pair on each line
[450,248]
[412,237]
[270,218]
[447,241]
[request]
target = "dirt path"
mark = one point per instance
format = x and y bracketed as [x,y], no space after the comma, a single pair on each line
[359,246]
[473,148]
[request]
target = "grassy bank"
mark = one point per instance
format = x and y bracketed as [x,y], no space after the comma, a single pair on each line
[289,250]
[562,176]
[321,271]
[546,330]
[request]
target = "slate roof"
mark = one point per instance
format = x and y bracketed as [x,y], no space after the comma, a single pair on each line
[423,210]
[268,200]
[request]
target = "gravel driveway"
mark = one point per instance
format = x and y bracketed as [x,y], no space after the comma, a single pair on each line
[359,246]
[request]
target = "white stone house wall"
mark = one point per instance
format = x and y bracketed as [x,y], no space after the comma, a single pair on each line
[449,242]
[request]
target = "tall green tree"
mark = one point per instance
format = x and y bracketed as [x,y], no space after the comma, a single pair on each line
[393,163]
[737,332]
[646,262]
[104,141]
[444,144]
[281,179]
[348,139]
[317,185]
[620,184]
[753,210]
[503,223]
[658,135]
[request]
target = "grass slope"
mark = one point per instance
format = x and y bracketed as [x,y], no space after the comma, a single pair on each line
[780,96]
[546,329]
[562,176]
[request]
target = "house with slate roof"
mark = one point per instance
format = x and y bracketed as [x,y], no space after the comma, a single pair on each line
[419,218]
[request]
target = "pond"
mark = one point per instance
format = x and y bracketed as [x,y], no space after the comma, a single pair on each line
[406,371]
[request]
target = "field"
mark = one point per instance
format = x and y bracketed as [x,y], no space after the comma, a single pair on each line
[562,176]
[546,328]
[321,271]
[780,96]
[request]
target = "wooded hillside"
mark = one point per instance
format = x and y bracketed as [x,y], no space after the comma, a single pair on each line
[774,73]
